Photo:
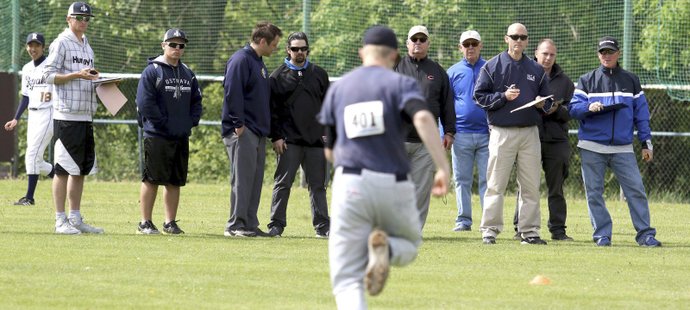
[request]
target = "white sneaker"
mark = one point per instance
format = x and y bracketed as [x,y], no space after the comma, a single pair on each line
[79,224]
[63,227]
[379,262]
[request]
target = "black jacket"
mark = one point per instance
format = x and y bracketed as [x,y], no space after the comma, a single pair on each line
[554,127]
[294,119]
[433,80]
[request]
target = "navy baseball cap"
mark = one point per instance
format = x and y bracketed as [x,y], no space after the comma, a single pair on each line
[175,33]
[608,43]
[380,35]
[35,37]
[79,8]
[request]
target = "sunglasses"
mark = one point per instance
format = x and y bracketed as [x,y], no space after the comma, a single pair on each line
[472,44]
[516,37]
[81,18]
[176,45]
[299,48]
[607,52]
[419,39]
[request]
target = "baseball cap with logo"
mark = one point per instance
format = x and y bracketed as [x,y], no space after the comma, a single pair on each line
[417,29]
[175,33]
[35,37]
[79,8]
[470,34]
[608,43]
[380,35]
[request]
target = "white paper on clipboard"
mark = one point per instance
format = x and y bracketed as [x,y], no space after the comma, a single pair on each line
[531,103]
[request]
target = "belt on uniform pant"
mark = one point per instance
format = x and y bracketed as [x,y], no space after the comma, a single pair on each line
[33,109]
[399,177]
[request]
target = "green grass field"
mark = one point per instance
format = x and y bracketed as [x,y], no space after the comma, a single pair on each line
[204,270]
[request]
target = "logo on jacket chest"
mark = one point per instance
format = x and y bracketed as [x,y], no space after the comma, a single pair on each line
[531,77]
[430,77]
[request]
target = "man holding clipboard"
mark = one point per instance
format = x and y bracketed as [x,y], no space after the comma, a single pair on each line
[507,82]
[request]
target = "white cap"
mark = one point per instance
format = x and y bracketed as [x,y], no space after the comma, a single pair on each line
[417,29]
[470,34]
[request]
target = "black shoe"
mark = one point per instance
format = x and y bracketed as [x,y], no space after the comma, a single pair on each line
[172,228]
[147,228]
[533,240]
[489,240]
[322,234]
[561,237]
[260,233]
[25,202]
[239,233]
[275,231]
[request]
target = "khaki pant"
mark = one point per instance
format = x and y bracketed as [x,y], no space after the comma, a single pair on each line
[508,145]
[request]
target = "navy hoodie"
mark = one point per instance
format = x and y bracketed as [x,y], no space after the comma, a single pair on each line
[168,100]
[247,94]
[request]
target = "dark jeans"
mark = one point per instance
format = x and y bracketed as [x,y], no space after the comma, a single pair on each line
[313,162]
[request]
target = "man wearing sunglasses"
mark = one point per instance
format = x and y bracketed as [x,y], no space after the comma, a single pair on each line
[298,88]
[509,81]
[169,105]
[433,80]
[471,145]
[70,67]
[610,104]
[246,122]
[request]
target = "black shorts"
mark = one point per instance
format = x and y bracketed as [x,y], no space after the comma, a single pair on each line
[75,152]
[165,161]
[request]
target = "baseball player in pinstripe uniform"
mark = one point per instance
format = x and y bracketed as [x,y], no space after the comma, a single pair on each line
[70,67]
[374,221]
[37,96]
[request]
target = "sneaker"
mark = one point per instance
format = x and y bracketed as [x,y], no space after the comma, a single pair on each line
[379,262]
[650,242]
[79,224]
[322,235]
[533,240]
[147,228]
[260,233]
[63,227]
[275,231]
[603,241]
[517,236]
[171,228]
[239,233]
[489,240]
[25,202]
[561,237]
[462,227]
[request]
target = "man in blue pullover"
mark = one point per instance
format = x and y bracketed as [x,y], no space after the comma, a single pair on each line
[610,104]
[507,82]
[246,122]
[471,144]
[169,105]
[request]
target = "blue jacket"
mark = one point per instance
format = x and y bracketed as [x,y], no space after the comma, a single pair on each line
[247,94]
[168,100]
[620,90]
[494,79]
[469,117]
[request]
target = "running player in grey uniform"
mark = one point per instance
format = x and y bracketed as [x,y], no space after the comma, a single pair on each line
[375,221]
[37,96]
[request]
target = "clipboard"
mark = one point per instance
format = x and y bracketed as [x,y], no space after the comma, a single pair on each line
[531,103]
[101,81]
